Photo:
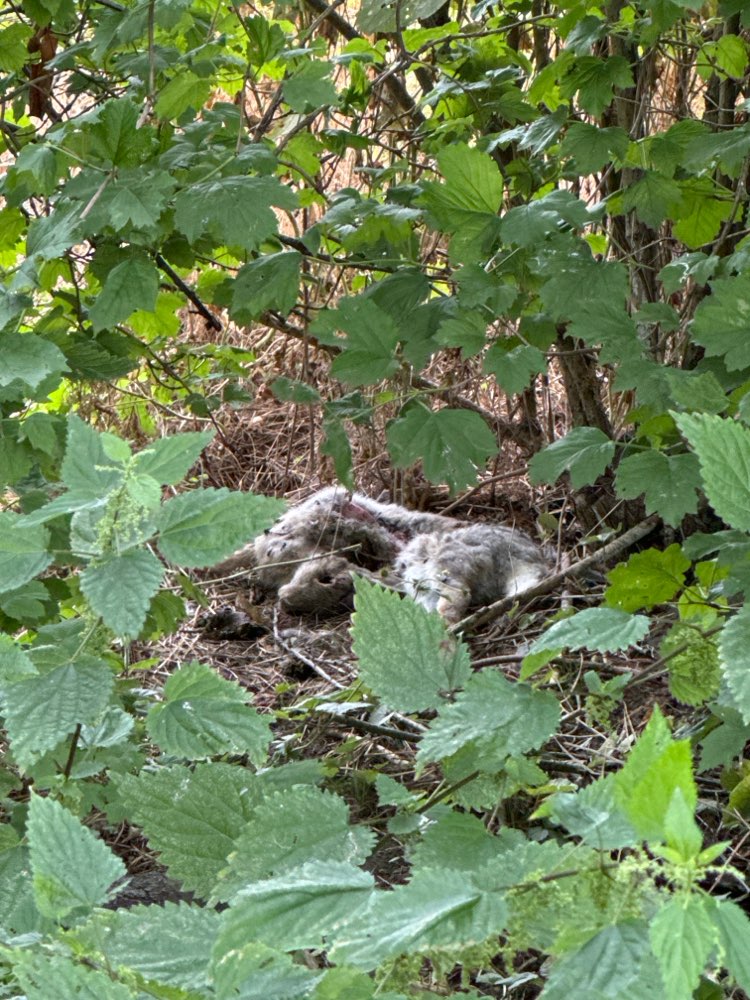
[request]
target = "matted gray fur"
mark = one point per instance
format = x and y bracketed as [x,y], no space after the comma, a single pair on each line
[448,566]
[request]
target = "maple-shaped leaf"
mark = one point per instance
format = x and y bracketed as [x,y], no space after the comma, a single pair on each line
[722,321]
[667,482]
[131,285]
[595,81]
[234,210]
[585,452]
[702,211]
[654,198]
[270,282]
[592,147]
[368,353]
[452,444]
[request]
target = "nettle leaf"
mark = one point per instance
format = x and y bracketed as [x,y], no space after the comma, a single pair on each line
[592,147]
[437,910]
[169,944]
[202,527]
[310,87]
[28,361]
[289,829]
[647,579]
[604,629]
[734,934]
[461,842]
[669,483]
[653,772]
[71,866]
[169,459]
[87,467]
[369,353]
[734,650]
[722,322]
[119,589]
[192,818]
[683,935]
[405,653]
[514,369]
[271,282]
[234,210]
[23,550]
[585,452]
[296,910]
[607,966]
[593,815]
[39,974]
[259,972]
[41,710]
[452,444]
[723,449]
[694,672]
[131,285]
[202,714]
[492,713]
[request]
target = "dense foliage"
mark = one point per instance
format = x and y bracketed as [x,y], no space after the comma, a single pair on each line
[538,188]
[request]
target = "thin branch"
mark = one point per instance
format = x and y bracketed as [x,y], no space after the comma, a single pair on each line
[189,293]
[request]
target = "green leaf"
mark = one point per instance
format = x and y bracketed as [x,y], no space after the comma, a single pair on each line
[723,449]
[649,798]
[368,354]
[654,198]
[185,90]
[271,282]
[585,452]
[19,912]
[467,330]
[405,653]
[681,831]
[606,967]
[71,866]
[42,710]
[116,136]
[668,483]
[192,818]
[576,282]
[388,15]
[256,971]
[593,815]
[290,828]
[459,841]
[298,909]
[694,673]
[87,468]
[234,210]
[290,390]
[604,629]
[595,81]
[722,322]
[471,195]
[452,444]
[169,944]
[682,937]
[493,714]
[734,651]
[592,147]
[528,225]
[310,87]
[169,459]
[647,579]
[202,714]
[336,445]
[28,361]
[437,910]
[514,369]
[119,589]
[131,285]
[40,975]
[703,210]
[13,52]
[202,527]
[734,935]
[23,550]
